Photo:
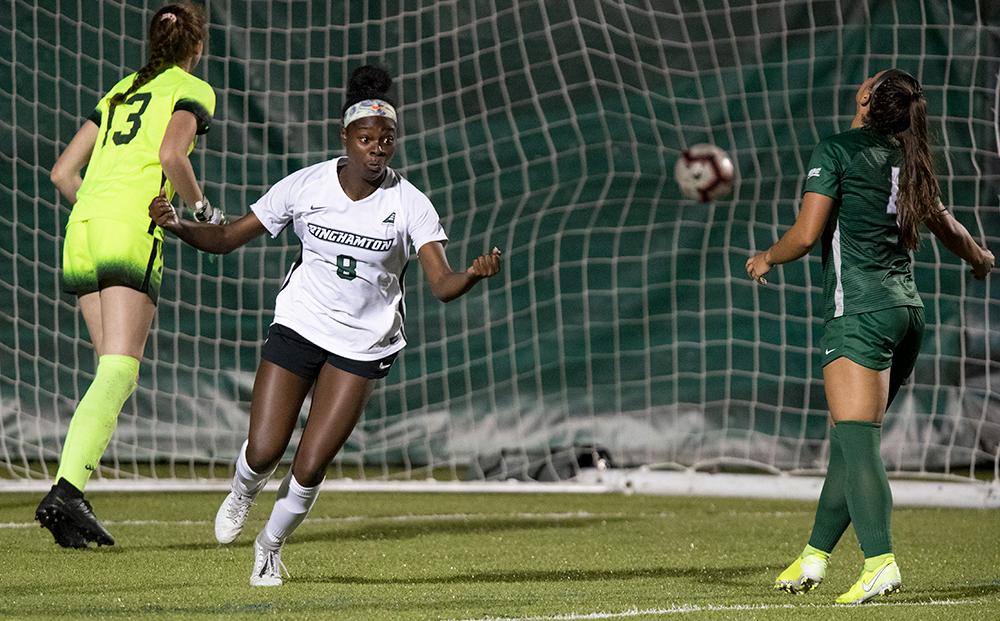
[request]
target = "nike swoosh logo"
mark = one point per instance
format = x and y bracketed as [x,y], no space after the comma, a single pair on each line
[315,207]
[384,366]
[867,586]
[830,351]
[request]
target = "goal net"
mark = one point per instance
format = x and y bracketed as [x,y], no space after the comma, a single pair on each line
[622,327]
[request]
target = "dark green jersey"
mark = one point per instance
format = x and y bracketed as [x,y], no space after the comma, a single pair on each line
[865,267]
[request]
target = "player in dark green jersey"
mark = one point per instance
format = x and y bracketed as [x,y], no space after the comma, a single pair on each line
[867,191]
[134,144]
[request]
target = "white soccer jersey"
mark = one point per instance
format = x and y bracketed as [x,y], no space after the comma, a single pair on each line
[344,292]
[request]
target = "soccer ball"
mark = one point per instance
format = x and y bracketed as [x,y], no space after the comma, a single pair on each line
[704,172]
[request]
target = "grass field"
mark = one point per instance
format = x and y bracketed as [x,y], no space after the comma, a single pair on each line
[487,556]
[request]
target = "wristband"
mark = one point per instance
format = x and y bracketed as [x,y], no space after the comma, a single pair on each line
[203,210]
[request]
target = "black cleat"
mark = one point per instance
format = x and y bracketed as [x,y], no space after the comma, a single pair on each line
[65,534]
[70,518]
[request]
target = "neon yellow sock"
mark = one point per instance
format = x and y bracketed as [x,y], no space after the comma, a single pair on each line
[873,563]
[96,417]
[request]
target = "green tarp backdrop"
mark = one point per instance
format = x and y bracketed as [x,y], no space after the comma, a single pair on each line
[549,129]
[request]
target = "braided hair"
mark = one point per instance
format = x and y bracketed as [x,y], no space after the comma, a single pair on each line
[898,109]
[367,82]
[174,35]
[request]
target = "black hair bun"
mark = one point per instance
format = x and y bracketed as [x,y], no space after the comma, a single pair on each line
[368,82]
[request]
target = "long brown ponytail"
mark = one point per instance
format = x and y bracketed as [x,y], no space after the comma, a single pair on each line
[174,35]
[898,109]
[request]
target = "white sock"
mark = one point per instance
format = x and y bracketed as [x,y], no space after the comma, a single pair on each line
[246,481]
[293,504]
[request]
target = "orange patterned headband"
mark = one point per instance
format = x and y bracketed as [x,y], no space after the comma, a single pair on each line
[369,107]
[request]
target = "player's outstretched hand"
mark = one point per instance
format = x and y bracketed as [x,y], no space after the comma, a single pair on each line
[982,268]
[757,266]
[487,265]
[162,212]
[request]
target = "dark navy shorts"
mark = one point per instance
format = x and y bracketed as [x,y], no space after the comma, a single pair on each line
[291,351]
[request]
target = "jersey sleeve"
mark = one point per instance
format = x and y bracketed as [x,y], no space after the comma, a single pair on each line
[825,170]
[101,109]
[198,98]
[276,208]
[423,224]
[97,114]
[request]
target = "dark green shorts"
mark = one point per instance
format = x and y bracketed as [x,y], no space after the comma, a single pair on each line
[878,340]
[102,252]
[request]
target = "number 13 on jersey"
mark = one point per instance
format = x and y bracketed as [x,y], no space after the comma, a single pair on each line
[134,119]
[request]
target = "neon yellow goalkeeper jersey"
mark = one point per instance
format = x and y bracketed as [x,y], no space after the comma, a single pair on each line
[124,171]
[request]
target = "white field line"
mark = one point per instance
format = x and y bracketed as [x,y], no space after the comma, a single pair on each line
[436,517]
[642,481]
[680,609]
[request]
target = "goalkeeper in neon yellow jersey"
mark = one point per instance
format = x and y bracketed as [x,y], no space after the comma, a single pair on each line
[867,192]
[134,145]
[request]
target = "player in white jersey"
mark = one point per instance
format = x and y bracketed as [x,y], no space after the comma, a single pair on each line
[338,319]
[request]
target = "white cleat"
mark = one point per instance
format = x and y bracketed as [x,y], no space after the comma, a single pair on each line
[231,517]
[267,566]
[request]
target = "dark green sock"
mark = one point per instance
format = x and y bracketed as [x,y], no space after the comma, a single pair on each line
[832,514]
[869,498]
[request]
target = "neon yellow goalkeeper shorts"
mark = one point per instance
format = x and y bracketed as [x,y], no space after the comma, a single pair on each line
[103,252]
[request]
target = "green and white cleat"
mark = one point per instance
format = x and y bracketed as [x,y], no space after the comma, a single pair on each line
[805,573]
[884,579]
